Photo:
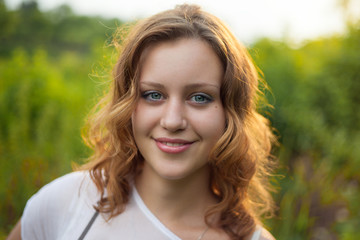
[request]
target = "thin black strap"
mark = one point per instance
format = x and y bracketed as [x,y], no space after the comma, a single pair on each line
[87,228]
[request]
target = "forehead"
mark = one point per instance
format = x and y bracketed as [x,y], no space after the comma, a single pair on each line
[181,60]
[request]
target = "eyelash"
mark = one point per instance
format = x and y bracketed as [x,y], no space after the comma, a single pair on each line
[149,96]
[206,97]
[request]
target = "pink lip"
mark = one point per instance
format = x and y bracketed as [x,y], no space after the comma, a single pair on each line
[160,142]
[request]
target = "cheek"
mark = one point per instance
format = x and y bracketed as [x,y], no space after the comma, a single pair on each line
[211,123]
[143,118]
[136,120]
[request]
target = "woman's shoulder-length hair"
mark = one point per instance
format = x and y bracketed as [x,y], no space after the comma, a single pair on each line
[240,161]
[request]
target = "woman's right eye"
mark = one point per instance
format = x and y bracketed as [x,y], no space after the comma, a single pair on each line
[152,96]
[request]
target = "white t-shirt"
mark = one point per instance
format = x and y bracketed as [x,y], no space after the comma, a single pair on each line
[63,208]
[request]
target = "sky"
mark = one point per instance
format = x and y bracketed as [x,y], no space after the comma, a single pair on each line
[293,20]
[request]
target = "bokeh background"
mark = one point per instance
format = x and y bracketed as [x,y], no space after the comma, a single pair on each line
[55,63]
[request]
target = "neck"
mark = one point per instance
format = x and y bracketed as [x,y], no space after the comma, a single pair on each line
[186,199]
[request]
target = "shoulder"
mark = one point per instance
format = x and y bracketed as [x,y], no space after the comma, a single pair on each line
[54,203]
[261,234]
[266,235]
[70,187]
[65,187]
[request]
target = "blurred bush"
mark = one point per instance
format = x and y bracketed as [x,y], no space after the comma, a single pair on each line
[316,102]
[54,64]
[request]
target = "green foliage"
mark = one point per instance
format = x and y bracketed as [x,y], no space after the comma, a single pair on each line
[315,97]
[55,31]
[40,116]
[46,91]
[45,94]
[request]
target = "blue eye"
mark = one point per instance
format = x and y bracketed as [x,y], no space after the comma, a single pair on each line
[201,98]
[152,96]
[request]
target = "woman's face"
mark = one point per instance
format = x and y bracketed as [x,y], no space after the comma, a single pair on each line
[179,116]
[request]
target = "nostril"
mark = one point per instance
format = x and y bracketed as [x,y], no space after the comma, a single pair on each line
[173,122]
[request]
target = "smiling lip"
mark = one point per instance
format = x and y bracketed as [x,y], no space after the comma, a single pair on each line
[169,145]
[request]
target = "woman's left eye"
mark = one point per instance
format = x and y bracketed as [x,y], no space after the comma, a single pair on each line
[201,98]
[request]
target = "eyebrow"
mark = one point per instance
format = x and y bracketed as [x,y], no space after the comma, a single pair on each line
[190,86]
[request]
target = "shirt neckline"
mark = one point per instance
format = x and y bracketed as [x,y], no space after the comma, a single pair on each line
[157,223]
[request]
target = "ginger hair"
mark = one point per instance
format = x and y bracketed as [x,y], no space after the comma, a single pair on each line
[240,161]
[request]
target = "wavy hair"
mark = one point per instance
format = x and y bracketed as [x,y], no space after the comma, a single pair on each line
[240,161]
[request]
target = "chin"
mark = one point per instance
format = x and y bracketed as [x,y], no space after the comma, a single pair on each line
[178,173]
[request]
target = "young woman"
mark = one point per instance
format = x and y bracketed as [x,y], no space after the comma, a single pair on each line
[180,151]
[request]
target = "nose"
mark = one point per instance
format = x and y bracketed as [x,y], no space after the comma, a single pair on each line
[173,116]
